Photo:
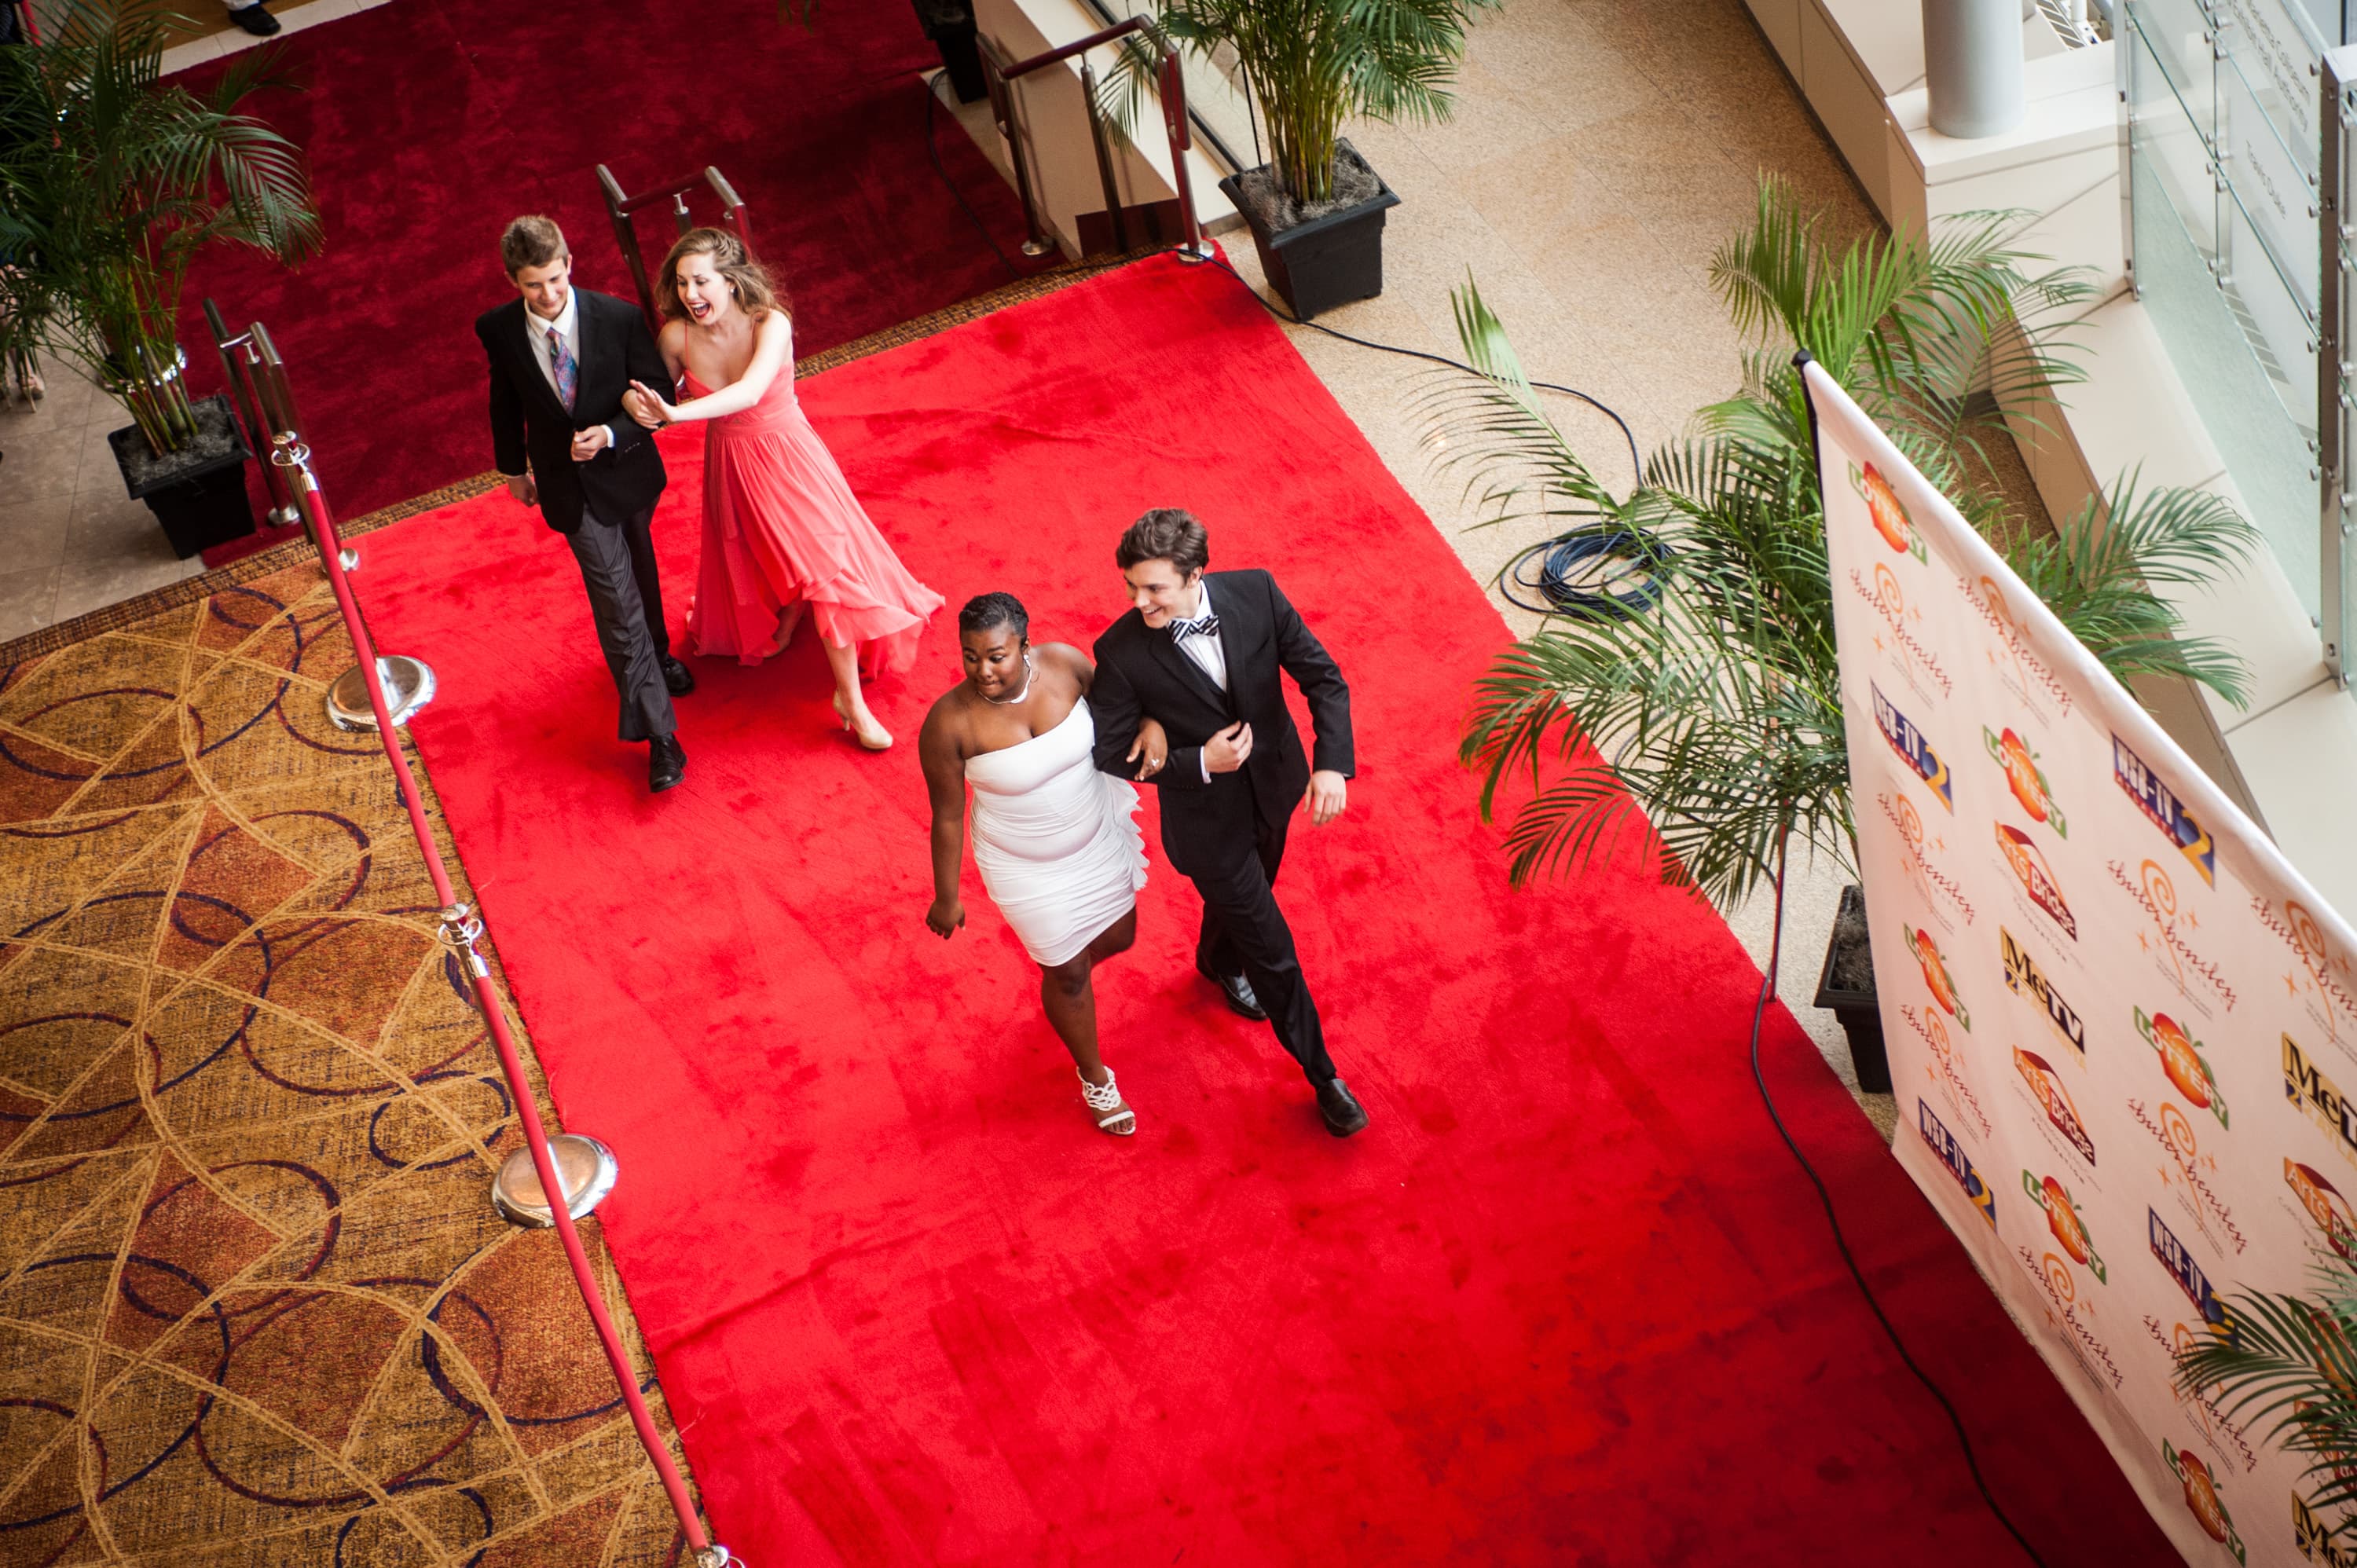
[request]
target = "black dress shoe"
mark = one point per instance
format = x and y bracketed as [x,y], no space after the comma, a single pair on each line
[666,762]
[254,19]
[678,680]
[1343,1114]
[1238,992]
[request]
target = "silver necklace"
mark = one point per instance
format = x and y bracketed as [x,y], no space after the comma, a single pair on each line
[1008,702]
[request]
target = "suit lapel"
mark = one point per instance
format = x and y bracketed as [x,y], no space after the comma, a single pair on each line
[1165,651]
[585,336]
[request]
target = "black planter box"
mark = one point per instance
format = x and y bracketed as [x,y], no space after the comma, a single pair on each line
[1326,262]
[1860,1016]
[202,502]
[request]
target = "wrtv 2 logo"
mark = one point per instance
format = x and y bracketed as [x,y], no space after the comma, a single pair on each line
[2165,811]
[1913,748]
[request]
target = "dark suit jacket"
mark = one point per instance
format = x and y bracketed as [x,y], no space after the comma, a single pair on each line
[527,422]
[1142,674]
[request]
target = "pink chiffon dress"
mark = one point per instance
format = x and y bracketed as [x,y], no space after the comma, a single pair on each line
[781,527]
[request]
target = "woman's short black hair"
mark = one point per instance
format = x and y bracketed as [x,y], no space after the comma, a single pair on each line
[987,612]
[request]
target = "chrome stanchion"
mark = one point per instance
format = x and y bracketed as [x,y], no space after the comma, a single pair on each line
[587,1167]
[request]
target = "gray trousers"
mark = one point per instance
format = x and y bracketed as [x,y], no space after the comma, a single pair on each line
[633,653]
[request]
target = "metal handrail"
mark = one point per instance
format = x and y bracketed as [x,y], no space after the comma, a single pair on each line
[1174,122]
[620,207]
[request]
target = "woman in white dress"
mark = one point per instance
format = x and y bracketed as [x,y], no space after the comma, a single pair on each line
[1054,839]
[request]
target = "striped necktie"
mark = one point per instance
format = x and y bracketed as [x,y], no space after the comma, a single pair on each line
[568,374]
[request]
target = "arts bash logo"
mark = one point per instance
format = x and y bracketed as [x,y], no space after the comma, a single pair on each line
[1913,748]
[2306,1086]
[2201,1499]
[1890,518]
[2046,1087]
[2181,1058]
[2023,776]
[2062,1218]
[2037,877]
[2165,810]
[2332,1212]
[1935,974]
[2180,1263]
[1952,1155]
[2024,978]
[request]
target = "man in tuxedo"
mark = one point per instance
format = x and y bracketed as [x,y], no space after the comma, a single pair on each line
[561,359]
[1201,653]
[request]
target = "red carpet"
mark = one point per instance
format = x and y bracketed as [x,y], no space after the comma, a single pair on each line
[429,124]
[1566,1301]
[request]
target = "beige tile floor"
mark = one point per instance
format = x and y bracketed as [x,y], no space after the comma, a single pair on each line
[70,540]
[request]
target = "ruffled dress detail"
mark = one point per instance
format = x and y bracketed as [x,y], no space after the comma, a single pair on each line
[781,527]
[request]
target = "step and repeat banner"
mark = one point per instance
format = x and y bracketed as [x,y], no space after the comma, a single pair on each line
[2120,1025]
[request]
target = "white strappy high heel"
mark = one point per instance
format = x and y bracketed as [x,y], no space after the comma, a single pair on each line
[1105,1102]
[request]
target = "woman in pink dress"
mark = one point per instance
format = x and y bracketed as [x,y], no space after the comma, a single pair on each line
[783,533]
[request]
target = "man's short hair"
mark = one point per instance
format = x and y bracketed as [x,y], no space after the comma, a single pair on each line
[988,612]
[1166,533]
[532,241]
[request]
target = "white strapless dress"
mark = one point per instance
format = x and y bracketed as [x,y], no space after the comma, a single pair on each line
[1056,841]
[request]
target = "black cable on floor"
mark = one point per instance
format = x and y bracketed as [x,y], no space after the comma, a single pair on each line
[933,151]
[1635,461]
[1759,1016]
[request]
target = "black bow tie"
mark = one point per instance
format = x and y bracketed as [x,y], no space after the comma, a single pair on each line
[1204,625]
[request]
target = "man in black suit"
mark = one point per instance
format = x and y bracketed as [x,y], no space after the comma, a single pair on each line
[561,359]
[1201,653]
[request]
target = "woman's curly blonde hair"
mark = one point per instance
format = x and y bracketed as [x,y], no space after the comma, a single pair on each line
[757,292]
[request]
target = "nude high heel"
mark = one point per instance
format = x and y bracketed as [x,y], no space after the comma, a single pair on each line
[881,740]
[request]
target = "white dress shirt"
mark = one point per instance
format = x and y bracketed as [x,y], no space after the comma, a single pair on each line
[1210,657]
[568,327]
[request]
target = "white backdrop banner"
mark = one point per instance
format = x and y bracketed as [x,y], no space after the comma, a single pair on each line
[2120,1023]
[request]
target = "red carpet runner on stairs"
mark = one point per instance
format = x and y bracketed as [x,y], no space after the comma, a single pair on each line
[429,124]
[1566,1301]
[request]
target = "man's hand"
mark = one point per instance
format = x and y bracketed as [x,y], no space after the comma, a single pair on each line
[587,443]
[945,919]
[1226,751]
[1151,744]
[522,488]
[1327,793]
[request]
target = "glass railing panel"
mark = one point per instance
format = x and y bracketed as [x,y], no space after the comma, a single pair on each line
[2274,187]
[2276,46]
[2177,33]
[2165,136]
[2263,448]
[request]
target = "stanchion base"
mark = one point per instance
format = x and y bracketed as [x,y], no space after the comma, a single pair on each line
[586,1166]
[714,1556]
[408,686]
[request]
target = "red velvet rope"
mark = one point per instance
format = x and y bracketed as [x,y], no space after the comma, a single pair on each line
[314,505]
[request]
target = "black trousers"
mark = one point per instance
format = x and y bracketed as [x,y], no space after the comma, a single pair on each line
[618,568]
[1243,933]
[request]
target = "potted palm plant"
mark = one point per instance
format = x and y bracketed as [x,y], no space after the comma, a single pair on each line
[2291,1362]
[112,180]
[1702,728]
[1316,208]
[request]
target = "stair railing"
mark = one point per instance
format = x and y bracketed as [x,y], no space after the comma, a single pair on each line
[1175,121]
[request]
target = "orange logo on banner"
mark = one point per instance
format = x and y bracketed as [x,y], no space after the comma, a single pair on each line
[2037,877]
[2202,1498]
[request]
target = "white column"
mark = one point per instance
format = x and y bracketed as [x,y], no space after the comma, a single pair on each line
[1973,66]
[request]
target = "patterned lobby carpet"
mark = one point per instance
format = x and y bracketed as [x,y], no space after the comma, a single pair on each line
[255,1305]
